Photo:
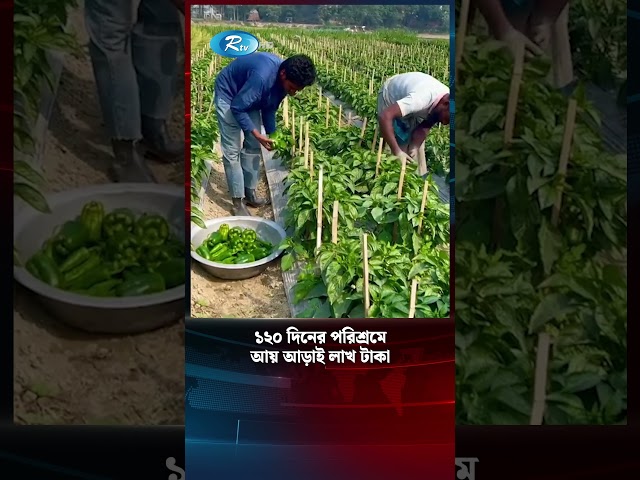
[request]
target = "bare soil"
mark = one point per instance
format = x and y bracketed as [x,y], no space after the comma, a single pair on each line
[63,376]
[259,297]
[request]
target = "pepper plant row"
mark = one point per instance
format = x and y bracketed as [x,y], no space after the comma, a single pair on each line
[404,244]
[519,270]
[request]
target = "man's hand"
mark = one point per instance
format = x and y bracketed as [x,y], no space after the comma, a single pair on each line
[265,141]
[514,39]
[401,155]
[412,151]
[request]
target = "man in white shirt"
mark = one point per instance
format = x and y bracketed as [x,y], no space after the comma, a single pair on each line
[409,105]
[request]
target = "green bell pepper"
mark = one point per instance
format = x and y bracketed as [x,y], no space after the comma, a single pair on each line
[245,258]
[152,230]
[124,248]
[224,231]
[214,239]
[219,252]
[90,277]
[104,289]
[71,237]
[121,220]
[230,260]
[203,252]
[91,217]
[76,259]
[173,272]
[143,284]
[235,233]
[249,236]
[259,253]
[44,268]
[78,271]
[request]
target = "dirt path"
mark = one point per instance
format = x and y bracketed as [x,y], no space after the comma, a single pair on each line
[259,297]
[435,36]
[62,376]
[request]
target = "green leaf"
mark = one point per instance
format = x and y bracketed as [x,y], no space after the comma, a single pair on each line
[287,262]
[550,245]
[554,305]
[513,400]
[483,115]
[579,382]
[31,196]
[377,214]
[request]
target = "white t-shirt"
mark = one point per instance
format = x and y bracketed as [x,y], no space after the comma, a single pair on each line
[415,93]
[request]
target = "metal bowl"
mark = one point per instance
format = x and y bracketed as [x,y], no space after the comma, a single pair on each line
[102,315]
[265,229]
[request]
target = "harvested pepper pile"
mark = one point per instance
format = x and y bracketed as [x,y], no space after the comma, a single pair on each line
[114,254]
[234,246]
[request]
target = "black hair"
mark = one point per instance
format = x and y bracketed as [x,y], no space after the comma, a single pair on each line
[300,70]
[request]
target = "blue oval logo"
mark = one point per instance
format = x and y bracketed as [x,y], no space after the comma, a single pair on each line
[234,43]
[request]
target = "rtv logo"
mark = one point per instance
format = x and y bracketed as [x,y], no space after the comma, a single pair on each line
[234,43]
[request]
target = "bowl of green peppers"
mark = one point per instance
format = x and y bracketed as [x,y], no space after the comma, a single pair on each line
[108,258]
[236,248]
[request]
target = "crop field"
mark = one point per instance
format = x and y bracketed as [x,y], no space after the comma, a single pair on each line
[541,318]
[344,193]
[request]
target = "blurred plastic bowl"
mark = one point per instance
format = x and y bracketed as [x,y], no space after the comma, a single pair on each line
[94,314]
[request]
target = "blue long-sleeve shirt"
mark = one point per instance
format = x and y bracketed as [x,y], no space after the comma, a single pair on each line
[251,83]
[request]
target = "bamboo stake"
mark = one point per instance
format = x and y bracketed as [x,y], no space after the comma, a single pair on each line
[300,135]
[379,157]
[328,112]
[319,214]
[365,264]
[334,222]
[362,131]
[375,138]
[340,117]
[349,117]
[403,171]
[462,30]
[306,145]
[569,129]
[311,164]
[319,97]
[540,385]
[424,204]
[293,130]
[285,111]
[514,93]
[413,298]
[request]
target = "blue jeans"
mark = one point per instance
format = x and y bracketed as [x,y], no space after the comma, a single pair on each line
[241,159]
[133,48]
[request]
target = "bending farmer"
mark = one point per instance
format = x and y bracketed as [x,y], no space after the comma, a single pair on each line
[409,105]
[248,93]
[542,25]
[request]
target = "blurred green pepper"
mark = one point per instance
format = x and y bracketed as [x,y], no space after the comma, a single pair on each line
[151,230]
[119,221]
[91,217]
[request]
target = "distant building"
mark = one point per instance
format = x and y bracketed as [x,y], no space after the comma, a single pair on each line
[253,16]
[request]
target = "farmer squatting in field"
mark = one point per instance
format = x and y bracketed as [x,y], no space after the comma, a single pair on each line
[409,105]
[542,25]
[248,93]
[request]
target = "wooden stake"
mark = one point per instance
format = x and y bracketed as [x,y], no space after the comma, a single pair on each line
[365,265]
[423,206]
[340,117]
[306,145]
[569,129]
[311,164]
[319,97]
[300,136]
[349,119]
[462,30]
[375,138]
[293,131]
[540,385]
[334,222]
[514,93]
[328,111]
[413,297]
[379,157]
[362,131]
[319,214]
[403,171]
[285,111]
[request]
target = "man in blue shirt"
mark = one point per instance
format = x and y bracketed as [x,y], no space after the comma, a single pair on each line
[248,93]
